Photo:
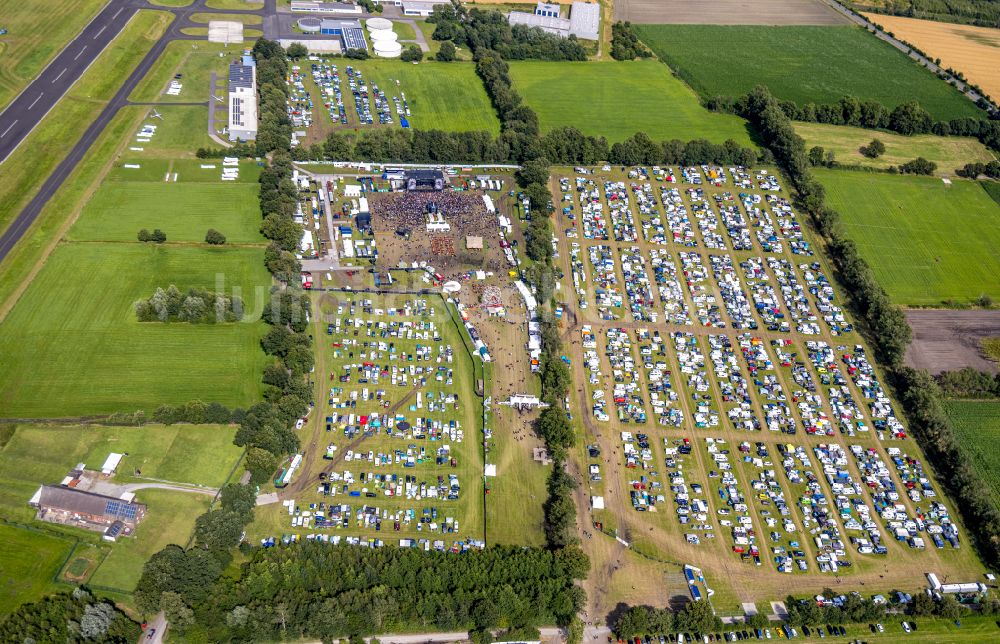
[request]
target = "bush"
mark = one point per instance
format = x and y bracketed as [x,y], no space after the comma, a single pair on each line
[919,165]
[447,52]
[873,150]
[214,237]
[412,54]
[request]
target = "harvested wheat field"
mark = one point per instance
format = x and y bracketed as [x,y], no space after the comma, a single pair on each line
[974,51]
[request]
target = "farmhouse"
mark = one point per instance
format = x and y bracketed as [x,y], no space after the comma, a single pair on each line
[583,22]
[243,100]
[71,506]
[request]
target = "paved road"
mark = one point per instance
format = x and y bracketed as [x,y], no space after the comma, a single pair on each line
[159,623]
[35,101]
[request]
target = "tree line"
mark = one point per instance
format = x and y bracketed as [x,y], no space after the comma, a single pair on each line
[322,591]
[73,616]
[197,306]
[646,621]
[907,118]
[969,383]
[625,44]
[982,13]
[886,327]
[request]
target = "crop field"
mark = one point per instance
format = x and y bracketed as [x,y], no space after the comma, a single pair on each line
[949,152]
[728,12]
[964,48]
[34,37]
[801,64]
[78,313]
[29,562]
[184,212]
[618,99]
[442,96]
[722,399]
[977,428]
[927,242]
[393,448]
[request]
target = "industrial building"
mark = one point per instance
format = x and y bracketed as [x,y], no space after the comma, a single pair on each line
[243,100]
[352,36]
[311,6]
[584,20]
[422,8]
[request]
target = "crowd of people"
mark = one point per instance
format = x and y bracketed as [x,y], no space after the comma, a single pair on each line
[464,210]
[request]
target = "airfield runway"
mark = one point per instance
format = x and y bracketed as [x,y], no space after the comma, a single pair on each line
[25,111]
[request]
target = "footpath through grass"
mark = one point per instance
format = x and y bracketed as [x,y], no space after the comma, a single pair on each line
[35,35]
[801,64]
[617,99]
[948,152]
[927,241]
[30,165]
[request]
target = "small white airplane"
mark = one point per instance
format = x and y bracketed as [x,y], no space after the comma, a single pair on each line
[156,115]
[219,98]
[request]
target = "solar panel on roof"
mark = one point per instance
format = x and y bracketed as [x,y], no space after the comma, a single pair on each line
[120,509]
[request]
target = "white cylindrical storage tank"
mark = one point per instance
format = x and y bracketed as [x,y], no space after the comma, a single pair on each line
[387,48]
[310,25]
[381,35]
[375,24]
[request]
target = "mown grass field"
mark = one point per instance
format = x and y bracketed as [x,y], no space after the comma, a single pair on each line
[245,18]
[801,64]
[618,99]
[183,211]
[24,260]
[35,35]
[926,241]
[977,427]
[170,518]
[195,61]
[442,96]
[72,346]
[28,166]
[949,152]
[29,562]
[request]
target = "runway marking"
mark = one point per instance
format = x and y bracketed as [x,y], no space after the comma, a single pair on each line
[59,76]
[82,49]
[35,101]
[8,129]
[118,12]
[100,32]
